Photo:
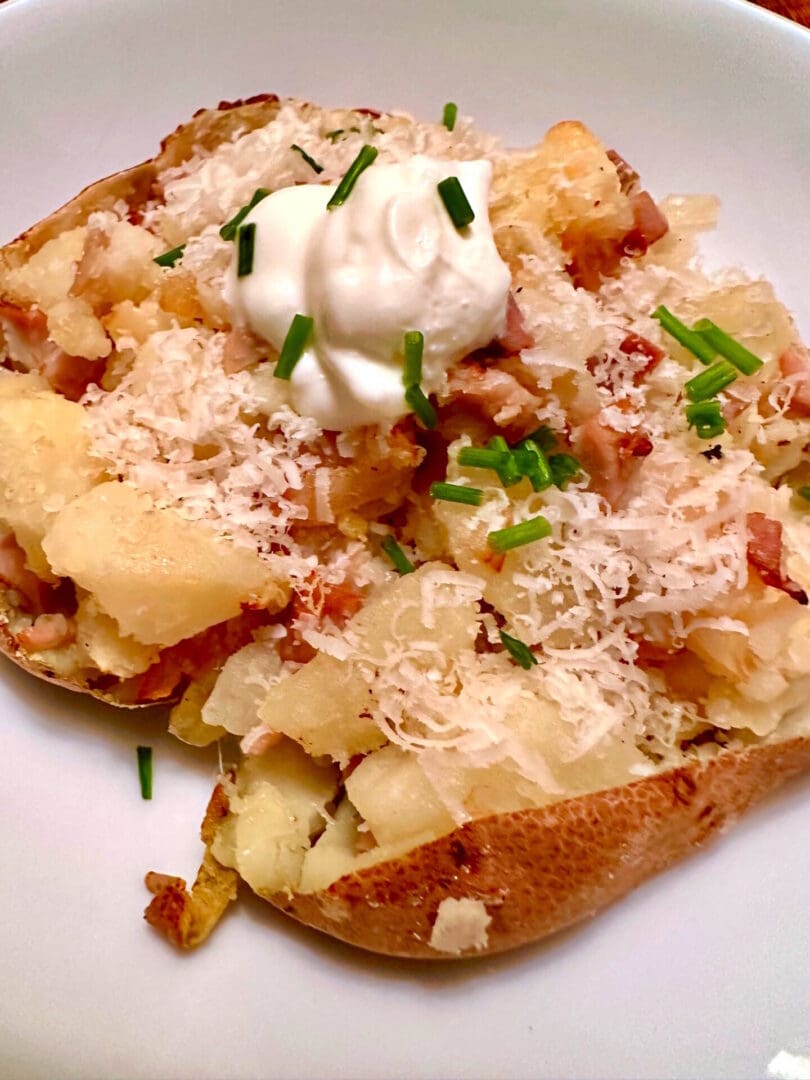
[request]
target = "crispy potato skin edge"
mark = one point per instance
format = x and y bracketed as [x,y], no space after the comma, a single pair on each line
[539,871]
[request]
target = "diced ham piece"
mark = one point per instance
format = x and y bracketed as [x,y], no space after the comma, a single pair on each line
[610,457]
[794,364]
[515,337]
[649,224]
[765,555]
[16,575]
[47,632]
[495,394]
[635,343]
[26,332]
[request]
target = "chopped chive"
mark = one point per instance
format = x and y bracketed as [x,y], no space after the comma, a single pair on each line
[361,162]
[313,164]
[564,467]
[477,457]
[449,115]
[456,202]
[519,650]
[228,230]
[706,418]
[169,258]
[414,347]
[457,493]
[508,472]
[397,556]
[333,136]
[711,381]
[294,345]
[545,438]
[145,771]
[803,493]
[526,532]
[421,407]
[532,462]
[691,340]
[246,240]
[742,359]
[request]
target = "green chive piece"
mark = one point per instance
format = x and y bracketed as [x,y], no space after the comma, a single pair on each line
[313,164]
[456,202]
[742,359]
[169,258]
[294,344]
[421,407]
[145,771]
[401,562]
[803,493]
[526,532]
[414,347]
[333,136]
[361,162]
[508,473]
[711,381]
[246,240]
[545,437]
[564,467]
[477,457]
[228,230]
[532,462]
[706,418]
[692,341]
[519,650]
[457,493]
[449,115]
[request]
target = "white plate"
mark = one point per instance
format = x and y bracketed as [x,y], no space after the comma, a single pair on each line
[702,972]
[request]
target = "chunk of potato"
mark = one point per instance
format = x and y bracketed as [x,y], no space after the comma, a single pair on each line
[161,577]
[44,461]
[107,648]
[326,706]
[278,807]
[241,688]
[392,794]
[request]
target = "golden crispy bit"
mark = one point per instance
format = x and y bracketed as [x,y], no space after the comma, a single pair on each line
[187,918]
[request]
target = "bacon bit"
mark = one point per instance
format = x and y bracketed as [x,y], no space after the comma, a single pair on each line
[242,350]
[593,256]
[515,337]
[649,225]
[434,464]
[67,375]
[197,655]
[16,575]
[765,555]
[336,602]
[651,654]
[47,632]
[495,559]
[628,177]
[635,343]
[794,365]
[384,477]
[495,394]
[609,456]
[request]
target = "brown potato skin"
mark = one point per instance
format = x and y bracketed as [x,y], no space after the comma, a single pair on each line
[539,871]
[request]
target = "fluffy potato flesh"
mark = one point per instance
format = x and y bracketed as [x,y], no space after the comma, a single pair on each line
[44,461]
[161,577]
[328,706]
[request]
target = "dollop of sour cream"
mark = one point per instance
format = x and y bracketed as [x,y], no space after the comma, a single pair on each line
[387,261]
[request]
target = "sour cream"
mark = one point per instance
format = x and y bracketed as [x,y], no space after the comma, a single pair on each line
[387,261]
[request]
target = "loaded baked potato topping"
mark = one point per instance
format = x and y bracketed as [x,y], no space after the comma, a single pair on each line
[440,474]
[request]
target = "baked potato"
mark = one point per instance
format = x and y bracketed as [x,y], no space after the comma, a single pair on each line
[494,659]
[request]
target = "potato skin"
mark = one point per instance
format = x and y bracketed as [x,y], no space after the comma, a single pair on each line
[539,871]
